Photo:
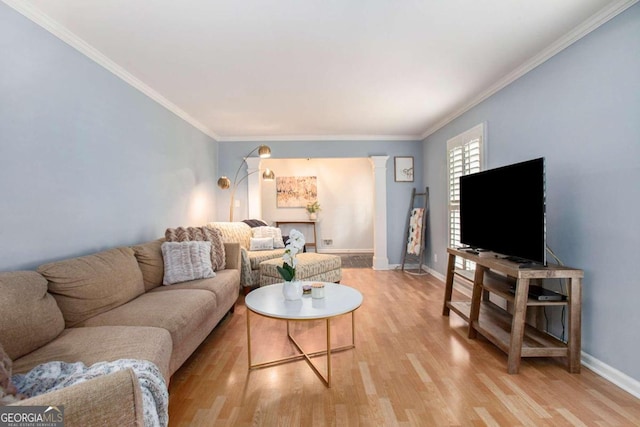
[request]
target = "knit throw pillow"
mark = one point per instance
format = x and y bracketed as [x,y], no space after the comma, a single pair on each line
[207,234]
[261,243]
[276,233]
[185,261]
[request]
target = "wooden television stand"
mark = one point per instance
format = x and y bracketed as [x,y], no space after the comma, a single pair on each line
[509,331]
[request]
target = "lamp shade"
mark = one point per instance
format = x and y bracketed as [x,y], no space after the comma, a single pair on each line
[264,151]
[268,175]
[224,182]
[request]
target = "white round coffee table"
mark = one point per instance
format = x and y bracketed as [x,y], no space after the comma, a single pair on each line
[268,301]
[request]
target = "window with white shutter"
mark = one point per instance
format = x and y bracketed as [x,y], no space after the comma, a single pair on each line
[465,154]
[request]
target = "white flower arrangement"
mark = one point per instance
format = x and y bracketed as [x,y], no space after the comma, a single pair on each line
[294,246]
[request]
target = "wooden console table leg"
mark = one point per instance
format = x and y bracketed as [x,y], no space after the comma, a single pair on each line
[476,299]
[315,238]
[517,325]
[448,289]
[575,328]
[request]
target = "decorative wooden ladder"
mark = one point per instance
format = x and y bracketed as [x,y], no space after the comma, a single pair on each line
[416,239]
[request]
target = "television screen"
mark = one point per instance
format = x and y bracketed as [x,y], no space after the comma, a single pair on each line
[503,210]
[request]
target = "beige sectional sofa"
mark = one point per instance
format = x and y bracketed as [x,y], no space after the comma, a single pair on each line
[104,307]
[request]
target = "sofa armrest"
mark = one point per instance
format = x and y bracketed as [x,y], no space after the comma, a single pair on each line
[111,400]
[232,255]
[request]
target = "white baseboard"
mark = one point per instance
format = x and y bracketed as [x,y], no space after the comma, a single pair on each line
[611,374]
[434,273]
[344,251]
[406,266]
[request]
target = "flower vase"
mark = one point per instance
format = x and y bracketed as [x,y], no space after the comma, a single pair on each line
[313,216]
[292,290]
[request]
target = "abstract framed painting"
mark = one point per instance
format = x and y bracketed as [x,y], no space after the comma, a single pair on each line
[296,191]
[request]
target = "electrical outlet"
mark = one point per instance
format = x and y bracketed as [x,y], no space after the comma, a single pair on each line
[435,257]
[327,242]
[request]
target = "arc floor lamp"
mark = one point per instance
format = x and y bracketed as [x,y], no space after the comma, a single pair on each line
[225,183]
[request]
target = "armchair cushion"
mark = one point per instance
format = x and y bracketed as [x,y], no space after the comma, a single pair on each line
[261,243]
[240,232]
[273,232]
[256,257]
[237,232]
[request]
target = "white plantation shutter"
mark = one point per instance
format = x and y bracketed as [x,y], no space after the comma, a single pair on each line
[465,156]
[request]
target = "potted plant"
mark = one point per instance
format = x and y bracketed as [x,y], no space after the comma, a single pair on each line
[313,209]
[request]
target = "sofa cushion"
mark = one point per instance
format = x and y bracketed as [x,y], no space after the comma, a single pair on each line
[224,286]
[103,343]
[179,311]
[87,286]
[149,256]
[207,234]
[185,261]
[30,317]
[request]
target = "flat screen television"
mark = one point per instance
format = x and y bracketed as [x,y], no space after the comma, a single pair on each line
[502,210]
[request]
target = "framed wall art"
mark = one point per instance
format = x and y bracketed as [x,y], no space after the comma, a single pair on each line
[403,169]
[296,191]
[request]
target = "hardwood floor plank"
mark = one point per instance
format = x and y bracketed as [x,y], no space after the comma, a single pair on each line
[411,367]
[367,381]
[570,417]
[486,417]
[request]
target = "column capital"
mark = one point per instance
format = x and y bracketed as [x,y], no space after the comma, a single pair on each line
[379,161]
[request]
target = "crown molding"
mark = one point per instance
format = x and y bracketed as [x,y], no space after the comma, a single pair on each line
[274,138]
[603,16]
[36,15]
[55,28]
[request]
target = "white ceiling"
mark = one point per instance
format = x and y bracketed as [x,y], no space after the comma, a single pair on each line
[319,69]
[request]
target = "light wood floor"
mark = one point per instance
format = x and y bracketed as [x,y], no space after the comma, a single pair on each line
[411,367]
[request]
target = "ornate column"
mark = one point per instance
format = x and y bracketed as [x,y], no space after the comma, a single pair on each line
[379,166]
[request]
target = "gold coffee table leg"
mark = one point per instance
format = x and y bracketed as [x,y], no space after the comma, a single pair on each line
[249,338]
[304,355]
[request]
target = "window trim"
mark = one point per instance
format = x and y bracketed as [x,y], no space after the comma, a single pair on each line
[466,137]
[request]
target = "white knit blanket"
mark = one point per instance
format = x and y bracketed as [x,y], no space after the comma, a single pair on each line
[414,241]
[56,375]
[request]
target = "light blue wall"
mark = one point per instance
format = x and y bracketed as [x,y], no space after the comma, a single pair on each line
[86,161]
[580,110]
[398,193]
